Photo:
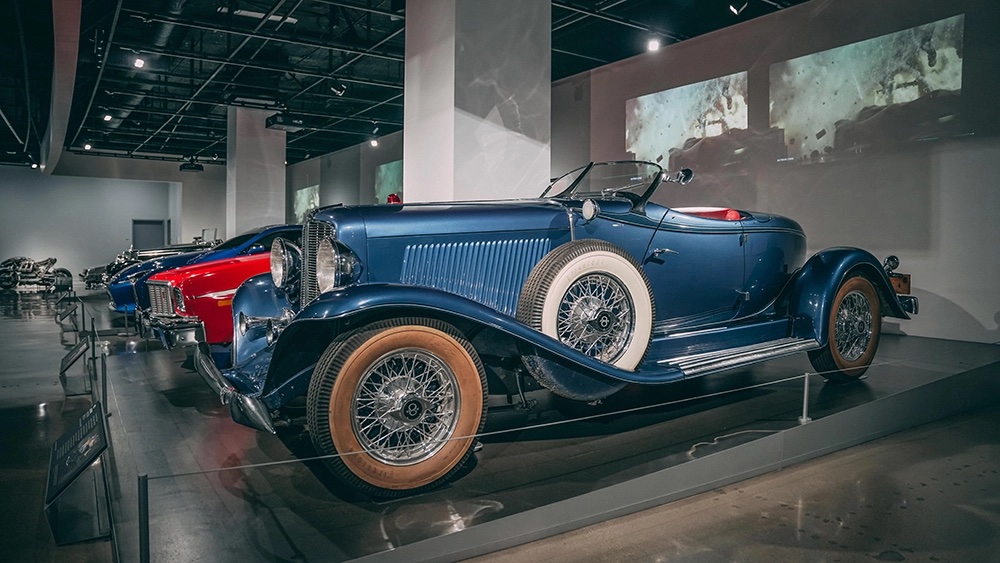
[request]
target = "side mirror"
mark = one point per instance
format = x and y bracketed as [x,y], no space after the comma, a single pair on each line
[684,176]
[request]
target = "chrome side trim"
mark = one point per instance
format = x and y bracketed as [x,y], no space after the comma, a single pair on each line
[720,360]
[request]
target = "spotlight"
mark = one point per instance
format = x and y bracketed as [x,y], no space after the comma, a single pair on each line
[215,156]
[338,88]
[373,142]
[87,146]
[107,117]
[374,128]
[139,62]
[34,165]
[736,11]
[653,44]
[191,166]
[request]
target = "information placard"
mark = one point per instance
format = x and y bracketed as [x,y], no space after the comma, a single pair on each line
[75,450]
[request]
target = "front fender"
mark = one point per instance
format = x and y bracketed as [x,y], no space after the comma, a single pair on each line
[814,286]
[304,340]
[256,297]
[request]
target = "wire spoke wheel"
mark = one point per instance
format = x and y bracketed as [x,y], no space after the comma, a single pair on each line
[596,316]
[404,407]
[400,402]
[854,327]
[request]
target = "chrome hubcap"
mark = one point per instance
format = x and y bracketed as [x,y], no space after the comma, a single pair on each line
[596,317]
[853,327]
[405,407]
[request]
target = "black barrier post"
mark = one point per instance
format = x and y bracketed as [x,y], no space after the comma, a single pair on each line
[104,381]
[143,518]
[93,345]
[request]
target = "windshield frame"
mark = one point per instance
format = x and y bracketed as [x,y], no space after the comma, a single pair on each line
[638,198]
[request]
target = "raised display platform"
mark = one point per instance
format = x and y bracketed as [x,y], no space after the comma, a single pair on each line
[222,491]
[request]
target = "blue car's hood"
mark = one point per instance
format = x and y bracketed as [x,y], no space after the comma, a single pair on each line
[428,219]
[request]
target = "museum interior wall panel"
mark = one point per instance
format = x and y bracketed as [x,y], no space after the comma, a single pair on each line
[255,172]
[202,198]
[570,124]
[382,169]
[477,99]
[79,221]
[301,188]
[340,177]
[877,131]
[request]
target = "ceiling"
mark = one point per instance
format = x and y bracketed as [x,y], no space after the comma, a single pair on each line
[334,66]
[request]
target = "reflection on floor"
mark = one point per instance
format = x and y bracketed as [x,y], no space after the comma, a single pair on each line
[166,423]
[927,494]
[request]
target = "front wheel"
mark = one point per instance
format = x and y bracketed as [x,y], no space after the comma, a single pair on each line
[854,327]
[8,279]
[400,402]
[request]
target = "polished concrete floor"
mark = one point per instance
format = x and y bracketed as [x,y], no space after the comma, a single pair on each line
[927,494]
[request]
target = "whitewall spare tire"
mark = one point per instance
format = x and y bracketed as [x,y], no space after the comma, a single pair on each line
[593,297]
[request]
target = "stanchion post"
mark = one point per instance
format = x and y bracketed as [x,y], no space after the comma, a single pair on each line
[104,383]
[93,346]
[143,518]
[805,400]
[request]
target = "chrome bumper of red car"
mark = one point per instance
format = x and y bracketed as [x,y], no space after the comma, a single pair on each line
[245,410]
[176,331]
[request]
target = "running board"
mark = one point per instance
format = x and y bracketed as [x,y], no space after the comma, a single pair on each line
[720,360]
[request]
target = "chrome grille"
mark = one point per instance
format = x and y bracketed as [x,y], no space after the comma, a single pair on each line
[161,302]
[313,232]
[491,273]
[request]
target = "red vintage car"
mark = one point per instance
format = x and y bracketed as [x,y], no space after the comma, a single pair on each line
[193,304]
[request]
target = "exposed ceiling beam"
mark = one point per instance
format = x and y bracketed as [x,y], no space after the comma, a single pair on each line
[146,16]
[617,19]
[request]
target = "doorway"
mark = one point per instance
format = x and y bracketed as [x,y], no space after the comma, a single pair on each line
[148,233]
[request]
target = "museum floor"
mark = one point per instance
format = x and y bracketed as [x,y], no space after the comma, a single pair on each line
[931,493]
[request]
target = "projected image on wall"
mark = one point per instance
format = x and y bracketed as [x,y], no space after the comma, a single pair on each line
[305,199]
[904,86]
[388,181]
[689,125]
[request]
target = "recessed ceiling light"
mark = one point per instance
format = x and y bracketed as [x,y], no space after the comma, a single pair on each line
[139,62]
[373,142]
[107,117]
[653,44]
[34,165]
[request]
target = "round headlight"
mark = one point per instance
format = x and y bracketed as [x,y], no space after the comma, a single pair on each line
[278,262]
[327,266]
[285,259]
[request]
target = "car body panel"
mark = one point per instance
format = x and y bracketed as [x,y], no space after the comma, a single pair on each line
[725,284]
[127,289]
[208,289]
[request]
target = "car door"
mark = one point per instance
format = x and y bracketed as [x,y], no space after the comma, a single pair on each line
[695,265]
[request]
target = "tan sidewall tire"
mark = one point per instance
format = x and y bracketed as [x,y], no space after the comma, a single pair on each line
[602,261]
[855,369]
[470,409]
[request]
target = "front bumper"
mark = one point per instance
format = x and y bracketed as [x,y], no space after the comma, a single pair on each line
[246,410]
[910,303]
[176,331]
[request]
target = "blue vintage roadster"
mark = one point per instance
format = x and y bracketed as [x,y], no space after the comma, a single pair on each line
[396,322]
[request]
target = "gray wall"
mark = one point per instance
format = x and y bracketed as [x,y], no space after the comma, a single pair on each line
[81,221]
[934,204]
[201,196]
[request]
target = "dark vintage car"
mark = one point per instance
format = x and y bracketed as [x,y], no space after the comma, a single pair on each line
[127,288]
[395,322]
[23,272]
[131,256]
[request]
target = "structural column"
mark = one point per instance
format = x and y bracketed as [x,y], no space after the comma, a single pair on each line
[255,172]
[477,99]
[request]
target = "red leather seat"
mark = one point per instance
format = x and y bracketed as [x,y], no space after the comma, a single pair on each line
[718,213]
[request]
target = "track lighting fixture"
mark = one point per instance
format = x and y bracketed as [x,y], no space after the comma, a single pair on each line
[737,11]
[139,62]
[653,44]
[338,88]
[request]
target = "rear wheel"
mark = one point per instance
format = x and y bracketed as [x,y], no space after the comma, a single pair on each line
[63,279]
[401,402]
[854,326]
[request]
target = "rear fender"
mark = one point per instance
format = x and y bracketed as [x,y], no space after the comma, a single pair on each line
[811,291]
[299,346]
